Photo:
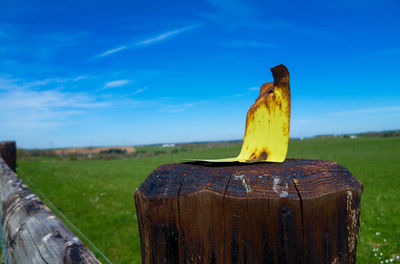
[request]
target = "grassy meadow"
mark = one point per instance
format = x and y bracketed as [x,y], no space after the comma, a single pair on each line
[97,195]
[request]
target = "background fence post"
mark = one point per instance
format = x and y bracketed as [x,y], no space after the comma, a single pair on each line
[8,151]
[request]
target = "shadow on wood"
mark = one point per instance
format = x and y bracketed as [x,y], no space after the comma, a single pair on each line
[299,211]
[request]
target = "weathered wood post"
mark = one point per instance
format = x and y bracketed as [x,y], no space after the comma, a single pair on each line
[8,151]
[298,211]
[32,233]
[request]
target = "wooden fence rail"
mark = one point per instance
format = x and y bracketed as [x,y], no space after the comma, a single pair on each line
[32,233]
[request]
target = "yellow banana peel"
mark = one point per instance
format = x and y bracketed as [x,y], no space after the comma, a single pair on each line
[266,136]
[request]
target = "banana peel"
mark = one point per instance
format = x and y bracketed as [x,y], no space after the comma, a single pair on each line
[266,135]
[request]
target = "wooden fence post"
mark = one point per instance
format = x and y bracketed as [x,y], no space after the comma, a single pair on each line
[32,233]
[8,151]
[299,211]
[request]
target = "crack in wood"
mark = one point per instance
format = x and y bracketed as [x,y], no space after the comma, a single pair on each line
[179,213]
[37,248]
[295,181]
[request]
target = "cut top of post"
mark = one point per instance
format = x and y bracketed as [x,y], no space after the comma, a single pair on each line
[290,179]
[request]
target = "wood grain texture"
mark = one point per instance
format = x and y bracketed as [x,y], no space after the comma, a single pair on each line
[8,151]
[299,211]
[33,234]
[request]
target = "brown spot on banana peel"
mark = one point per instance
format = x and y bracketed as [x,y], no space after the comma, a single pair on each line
[263,155]
[252,156]
[285,130]
[259,156]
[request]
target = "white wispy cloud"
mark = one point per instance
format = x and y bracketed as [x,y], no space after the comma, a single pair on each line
[254,88]
[111,51]
[249,92]
[80,78]
[47,99]
[388,109]
[164,36]
[159,38]
[140,90]
[10,84]
[116,83]
[178,107]
[45,82]
[25,108]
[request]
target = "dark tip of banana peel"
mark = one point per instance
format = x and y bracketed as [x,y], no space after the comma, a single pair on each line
[281,75]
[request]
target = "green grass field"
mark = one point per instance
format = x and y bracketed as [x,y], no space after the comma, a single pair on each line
[97,195]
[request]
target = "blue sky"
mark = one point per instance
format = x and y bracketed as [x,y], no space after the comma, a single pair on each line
[89,73]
